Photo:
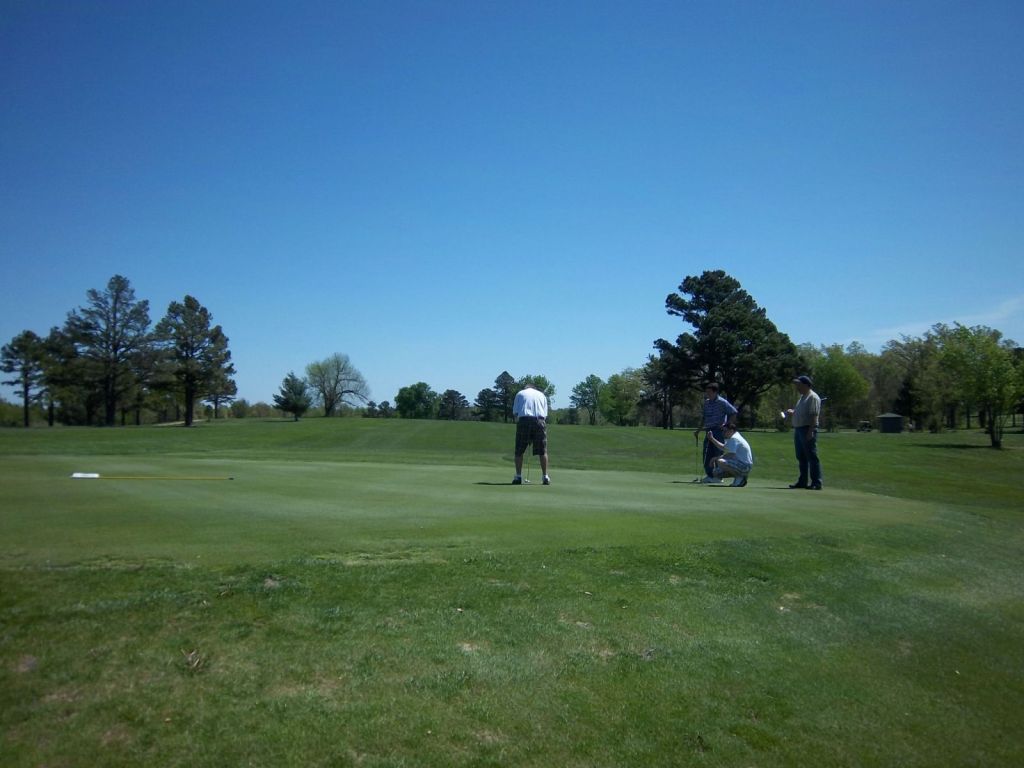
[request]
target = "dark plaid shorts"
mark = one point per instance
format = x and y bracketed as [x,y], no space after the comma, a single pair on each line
[530,429]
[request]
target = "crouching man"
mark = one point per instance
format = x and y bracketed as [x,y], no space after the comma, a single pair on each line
[737,459]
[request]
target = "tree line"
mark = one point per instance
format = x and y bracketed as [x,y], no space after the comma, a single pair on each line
[951,376]
[108,363]
[415,401]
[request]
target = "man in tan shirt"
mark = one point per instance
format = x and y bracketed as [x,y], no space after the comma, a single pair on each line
[805,434]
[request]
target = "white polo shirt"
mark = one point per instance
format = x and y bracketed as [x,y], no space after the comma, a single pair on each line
[738,445]
[530,402]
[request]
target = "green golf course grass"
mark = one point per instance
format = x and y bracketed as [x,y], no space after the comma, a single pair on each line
[375,593]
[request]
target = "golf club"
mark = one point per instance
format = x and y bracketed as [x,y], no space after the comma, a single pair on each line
[697,475]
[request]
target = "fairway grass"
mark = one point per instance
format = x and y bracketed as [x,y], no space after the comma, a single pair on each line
[274,510]
[373,593]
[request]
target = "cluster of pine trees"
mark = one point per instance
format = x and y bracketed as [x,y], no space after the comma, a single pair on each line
[108,364]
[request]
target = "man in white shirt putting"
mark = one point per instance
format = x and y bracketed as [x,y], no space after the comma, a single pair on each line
[531,411]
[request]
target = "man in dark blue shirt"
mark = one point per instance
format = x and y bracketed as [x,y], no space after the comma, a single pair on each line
[717,413]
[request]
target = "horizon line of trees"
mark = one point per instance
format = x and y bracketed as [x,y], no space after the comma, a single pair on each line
[105,360]
[950,377]
[940,380]
[297,395]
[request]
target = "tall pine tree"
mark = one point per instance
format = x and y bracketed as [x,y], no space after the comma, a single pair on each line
[110,335]
[733,341]
[197,353]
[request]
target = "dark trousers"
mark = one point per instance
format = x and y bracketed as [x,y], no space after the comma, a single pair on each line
[710,451]
[805,439]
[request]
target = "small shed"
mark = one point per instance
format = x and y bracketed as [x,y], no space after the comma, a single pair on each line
[890,422]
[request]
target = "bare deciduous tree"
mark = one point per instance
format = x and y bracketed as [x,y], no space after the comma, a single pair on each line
[335,381]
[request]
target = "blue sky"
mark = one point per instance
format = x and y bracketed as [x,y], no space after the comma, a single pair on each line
[447,190]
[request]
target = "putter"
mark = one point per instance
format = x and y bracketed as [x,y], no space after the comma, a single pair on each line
[697,476]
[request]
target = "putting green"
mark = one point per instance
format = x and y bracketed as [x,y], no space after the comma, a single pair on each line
[276,510]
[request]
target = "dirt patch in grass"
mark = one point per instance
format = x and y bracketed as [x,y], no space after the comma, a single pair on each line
[116,737]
